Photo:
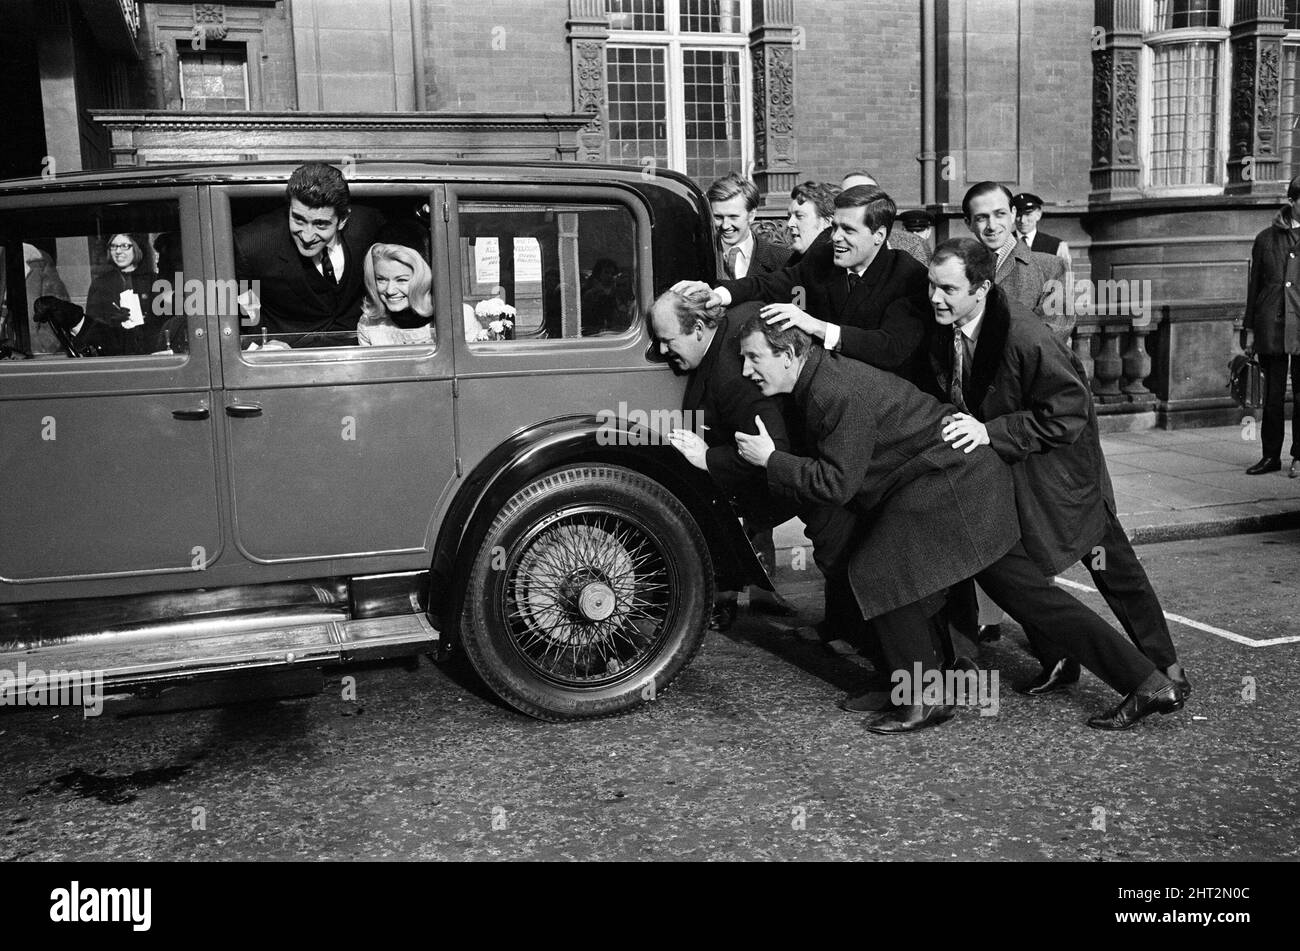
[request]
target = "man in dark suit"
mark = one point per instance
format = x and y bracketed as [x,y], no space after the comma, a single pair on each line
[734,200]
[1021,391]
[1029,211]
[308,260]
[1036,280]
[929,518]
[840,292]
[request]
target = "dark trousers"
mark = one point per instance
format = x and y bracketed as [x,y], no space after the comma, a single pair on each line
[1123,582]
[833,532]
[914,633]
[1274,366]
[1064,624]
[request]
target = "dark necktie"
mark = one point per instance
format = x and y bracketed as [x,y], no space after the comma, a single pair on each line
[853,281]
[327,268]
[959,371]
[730,264]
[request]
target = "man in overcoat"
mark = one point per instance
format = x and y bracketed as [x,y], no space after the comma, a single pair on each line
[1019,390]
[930,518]
[1272,328]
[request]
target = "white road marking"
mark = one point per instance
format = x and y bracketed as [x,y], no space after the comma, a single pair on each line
[1179,619]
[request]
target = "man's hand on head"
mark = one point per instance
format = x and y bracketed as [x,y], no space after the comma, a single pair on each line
[715,297]
[756,450]
[791,316]
[964,431]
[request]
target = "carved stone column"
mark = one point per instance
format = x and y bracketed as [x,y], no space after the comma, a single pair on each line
[1117,43]
[774,44]
[1254,161]
[588,36]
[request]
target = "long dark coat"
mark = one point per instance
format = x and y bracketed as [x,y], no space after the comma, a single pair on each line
[1028,389]
[870,333]
[1272,308]
[727,403]
[295,297]
[931,517]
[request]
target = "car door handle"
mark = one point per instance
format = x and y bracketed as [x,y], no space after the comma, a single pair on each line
[243,410]
[200,412]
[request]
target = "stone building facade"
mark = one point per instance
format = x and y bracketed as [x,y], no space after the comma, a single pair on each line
[1160,132]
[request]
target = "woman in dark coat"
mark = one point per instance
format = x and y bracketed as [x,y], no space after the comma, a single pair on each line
[1272,328]
[122,297]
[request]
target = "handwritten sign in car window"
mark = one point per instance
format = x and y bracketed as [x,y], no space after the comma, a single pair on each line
[487,261]
[528,261]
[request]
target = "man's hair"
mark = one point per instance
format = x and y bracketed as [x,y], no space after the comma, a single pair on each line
[977,260]
[689,308]
[418,293]
[1293,190]
[983,188]
[878,208]
[792,341]
[821,194]
[318,185]
[861,173]
[732,184]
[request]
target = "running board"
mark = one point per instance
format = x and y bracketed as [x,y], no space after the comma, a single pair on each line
[126,661]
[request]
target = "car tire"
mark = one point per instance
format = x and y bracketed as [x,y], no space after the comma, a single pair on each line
[588,594]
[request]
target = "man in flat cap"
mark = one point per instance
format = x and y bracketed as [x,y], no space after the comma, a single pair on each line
[1029,211]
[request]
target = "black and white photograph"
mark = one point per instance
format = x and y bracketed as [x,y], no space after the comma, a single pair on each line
[588,431]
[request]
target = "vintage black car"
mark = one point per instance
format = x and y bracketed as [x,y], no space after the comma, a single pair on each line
[203,503]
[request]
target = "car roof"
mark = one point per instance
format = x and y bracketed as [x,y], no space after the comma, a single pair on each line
[362,171]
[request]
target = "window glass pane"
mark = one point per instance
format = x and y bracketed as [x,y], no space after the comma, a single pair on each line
[638,106]
[712,99]
[635,14]
[215,79]
[93,280]
[547,271]
[1184,114]
[1291,14]
[710,16]
[1179,14]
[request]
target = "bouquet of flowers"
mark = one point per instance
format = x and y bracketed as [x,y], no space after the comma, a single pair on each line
[497,318]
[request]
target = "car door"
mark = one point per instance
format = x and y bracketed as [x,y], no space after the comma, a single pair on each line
[338,455]
[107,460]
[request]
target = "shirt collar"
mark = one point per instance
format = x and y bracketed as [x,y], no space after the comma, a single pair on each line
[971,329]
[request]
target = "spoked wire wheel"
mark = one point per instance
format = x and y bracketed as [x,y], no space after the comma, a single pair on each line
[589,592]
[588,596]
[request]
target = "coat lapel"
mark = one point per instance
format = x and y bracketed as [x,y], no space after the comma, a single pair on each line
[697,386]
[988,351]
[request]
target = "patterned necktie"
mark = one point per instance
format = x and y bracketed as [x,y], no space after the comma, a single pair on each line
[958,371]
[327,268]
[731,262]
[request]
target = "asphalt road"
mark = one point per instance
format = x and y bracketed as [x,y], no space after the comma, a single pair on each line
[746,757]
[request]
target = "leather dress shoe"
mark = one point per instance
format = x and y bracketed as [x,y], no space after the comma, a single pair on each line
[990,632]
[1063,673]
[722,616]
[771,604]
[1176,673]
[1137,705]
[910,719]
[1267,464]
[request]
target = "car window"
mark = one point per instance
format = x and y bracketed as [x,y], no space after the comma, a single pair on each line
[318,281]
[93,280]
[547,271]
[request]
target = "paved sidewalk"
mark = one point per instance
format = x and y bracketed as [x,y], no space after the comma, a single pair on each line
[1187,483]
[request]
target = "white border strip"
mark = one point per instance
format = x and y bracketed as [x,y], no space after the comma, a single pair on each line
[1178,618]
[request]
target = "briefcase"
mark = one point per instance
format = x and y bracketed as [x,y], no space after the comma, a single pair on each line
[1246,381]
